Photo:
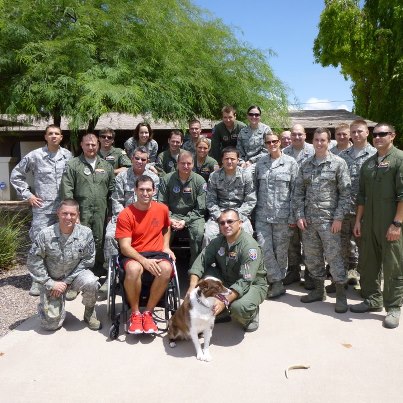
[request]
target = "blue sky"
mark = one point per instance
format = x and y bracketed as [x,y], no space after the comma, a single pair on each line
[289,28]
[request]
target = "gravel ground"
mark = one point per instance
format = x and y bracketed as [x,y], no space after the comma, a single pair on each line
[16,305]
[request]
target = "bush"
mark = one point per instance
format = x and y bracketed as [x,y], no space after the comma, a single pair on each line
[13,229]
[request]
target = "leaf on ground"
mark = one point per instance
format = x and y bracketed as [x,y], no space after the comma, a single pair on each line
[346,345]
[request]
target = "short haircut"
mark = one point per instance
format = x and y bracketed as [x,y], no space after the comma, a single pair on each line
[391,128]
[228,109]
[144,178]
[88,134]
[360,122]
[52,127]
[175,132]
[229,149]
[137,130]
[140,149]
[205,140]
[184,153]
[229,210]
[253,107]
[321,130]
[281,135]
[69,203]
[342,126]
[107,130]
[191,122]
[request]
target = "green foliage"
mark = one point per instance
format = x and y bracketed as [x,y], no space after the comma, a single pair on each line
[13,230]
[367,43]
[81,59]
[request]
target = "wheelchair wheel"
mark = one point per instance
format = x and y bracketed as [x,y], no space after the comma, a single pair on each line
[172,299]
[111,284]
[114,331]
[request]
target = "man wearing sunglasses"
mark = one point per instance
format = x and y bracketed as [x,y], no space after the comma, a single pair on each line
[115,156]
[124,195]
[379,224]
[235,258]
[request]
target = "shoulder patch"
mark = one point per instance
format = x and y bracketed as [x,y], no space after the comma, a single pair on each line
[252,253]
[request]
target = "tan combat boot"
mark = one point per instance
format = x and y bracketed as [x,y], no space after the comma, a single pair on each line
[90,318]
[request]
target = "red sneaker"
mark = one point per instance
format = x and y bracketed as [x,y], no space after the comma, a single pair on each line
[149,325]
[136,323]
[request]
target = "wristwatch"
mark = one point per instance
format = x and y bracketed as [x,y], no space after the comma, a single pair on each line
[397,224]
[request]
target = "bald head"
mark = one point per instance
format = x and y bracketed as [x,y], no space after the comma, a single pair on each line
[298,136]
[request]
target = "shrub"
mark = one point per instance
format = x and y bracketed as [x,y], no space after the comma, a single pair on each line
[13,237]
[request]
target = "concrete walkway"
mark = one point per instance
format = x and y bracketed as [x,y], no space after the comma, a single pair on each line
[352,358]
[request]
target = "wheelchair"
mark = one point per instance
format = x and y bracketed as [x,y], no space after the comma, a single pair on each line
[118,312]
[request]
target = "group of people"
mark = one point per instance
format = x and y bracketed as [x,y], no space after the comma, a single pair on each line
[255,206]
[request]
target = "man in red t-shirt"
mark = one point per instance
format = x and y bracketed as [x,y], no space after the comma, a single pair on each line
[143,232]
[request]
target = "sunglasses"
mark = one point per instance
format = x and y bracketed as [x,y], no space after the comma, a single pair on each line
[271,141]
[229,222]
[140,159]
[254,115]
[380,134]
[106,137]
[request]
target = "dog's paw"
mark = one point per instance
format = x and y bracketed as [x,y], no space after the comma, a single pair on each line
[200,356]
[207,356]
[172,344]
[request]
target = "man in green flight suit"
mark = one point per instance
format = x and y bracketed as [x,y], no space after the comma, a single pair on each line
[184,192]
[115,156]
[378,223]
[90,180]
[235,258]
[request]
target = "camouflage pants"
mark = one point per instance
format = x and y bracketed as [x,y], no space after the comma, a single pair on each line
[294,249]
[52,310]
[111,244]
[211,230]
[243,309]
[274,240]
[350,245]
[39,222]
[318,241]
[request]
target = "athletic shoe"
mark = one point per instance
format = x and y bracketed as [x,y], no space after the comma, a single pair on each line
[149,325]
[136,323]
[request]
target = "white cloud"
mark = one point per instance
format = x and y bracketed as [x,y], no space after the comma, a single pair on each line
[316,103]
[323,104]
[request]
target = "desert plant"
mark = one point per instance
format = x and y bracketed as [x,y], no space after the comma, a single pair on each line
[13,228]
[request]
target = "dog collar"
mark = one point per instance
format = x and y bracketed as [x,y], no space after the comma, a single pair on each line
[201,302]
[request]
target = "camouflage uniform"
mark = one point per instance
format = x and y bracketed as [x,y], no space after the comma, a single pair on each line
[91,189]
[166,163]
[251,143]
[240,267]
[349,243]
[275,180]
[190,146]
[237,192]
[54,258]
[116,157]
[222,138]
[322,195]
[294,250]
[334,150]
[123,196]
[152,148]
[206,169]
[47,171]
[186,201]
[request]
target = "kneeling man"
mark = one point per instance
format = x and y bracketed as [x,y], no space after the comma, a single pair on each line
[235,258]
[143,232]
[61,259]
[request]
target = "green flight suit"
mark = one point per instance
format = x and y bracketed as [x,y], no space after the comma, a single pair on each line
[117,158]
[166,163]
[381,188]
[240,268]
[207,168]
[91,189]
[186,201]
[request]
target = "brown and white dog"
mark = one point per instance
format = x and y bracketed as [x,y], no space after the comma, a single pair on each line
[196,315]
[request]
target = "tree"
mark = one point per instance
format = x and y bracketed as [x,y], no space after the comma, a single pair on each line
[81,59]
[367,43]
